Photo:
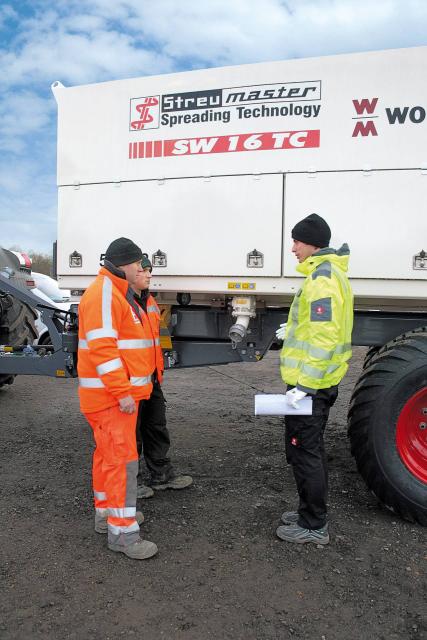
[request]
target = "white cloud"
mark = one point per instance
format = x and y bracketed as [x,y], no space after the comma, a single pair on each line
[80,42]
[27,206]
[21,114]
[78,58]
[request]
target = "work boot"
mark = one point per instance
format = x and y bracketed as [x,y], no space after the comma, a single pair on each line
[290,517]
[101,525]
[300,535]
[142,491]
[138,550]
[174,482]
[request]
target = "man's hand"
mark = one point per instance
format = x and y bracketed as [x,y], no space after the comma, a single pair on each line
[294,396]
[280,332]
[127,405]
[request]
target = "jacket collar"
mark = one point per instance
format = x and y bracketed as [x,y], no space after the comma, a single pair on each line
[338,257]
[119,280]
[116,276]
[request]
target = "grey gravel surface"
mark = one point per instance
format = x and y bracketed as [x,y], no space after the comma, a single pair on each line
[220,572]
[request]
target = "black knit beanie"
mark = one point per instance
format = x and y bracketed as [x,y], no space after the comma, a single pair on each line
[312,230]
[145,262]
[123,251]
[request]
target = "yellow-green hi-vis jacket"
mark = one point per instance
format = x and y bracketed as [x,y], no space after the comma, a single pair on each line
[317,342]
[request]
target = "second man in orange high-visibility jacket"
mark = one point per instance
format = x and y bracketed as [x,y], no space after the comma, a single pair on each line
[115,367]
[152,433]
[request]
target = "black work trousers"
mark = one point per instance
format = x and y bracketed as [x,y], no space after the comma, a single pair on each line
[306,453]
[152,435]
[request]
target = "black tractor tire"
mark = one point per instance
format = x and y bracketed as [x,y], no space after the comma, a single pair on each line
[394,382]
[16,326]
[371,353]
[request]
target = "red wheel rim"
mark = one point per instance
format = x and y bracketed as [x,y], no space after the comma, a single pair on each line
[411,435]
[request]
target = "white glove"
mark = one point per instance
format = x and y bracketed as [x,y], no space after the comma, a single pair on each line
[280,332]
[294,396]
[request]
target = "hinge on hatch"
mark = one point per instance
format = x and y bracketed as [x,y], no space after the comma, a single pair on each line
[420,260]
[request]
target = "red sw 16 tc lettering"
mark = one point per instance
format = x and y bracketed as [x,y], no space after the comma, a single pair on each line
[226,144]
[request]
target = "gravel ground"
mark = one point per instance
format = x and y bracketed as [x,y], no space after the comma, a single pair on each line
[220,572]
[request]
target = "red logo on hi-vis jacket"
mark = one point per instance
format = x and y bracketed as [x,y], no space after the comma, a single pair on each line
[134,316]
[320,310]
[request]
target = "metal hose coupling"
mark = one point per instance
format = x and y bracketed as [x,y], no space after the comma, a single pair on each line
[243,311]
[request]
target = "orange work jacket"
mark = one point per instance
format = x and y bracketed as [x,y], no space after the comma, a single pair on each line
[152,316]
[115,345]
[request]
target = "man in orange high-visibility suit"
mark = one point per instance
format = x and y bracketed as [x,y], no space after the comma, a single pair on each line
[114,368]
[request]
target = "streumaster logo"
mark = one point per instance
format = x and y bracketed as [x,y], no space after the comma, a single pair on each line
[144,113]
[284,99]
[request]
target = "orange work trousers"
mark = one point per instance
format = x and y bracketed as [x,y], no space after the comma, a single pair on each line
[114,471]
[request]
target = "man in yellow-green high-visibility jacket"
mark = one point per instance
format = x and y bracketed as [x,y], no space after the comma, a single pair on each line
[314,359]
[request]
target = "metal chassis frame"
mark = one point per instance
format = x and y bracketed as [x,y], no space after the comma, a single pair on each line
[61,362]
[199,334]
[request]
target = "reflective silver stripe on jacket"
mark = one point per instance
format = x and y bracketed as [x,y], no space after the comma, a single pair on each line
[294,311]
[107,299]
[316,352]
[100,333]
[151,308]
[343,348]
[91,383]
[110,365]
[316,373]
[106,331]
[83,344]
[290,362]
[118,530]
[125,512]
[135,344]
[157,341]
[140,381]
[307,369]
[100,495]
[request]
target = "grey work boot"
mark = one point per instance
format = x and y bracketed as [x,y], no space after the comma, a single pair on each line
[176,482]
[101,525]
[289,517]
[142,491]
[138,550]
[300,535]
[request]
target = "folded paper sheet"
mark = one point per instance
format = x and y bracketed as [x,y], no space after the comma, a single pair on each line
[271,404]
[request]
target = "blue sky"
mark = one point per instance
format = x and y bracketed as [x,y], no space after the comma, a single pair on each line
[80,42]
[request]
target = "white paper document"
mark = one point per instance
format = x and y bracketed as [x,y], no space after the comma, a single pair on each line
[270,404]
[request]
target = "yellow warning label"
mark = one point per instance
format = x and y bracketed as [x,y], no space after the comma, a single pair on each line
[241,286]
[165,317]
[60,373]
